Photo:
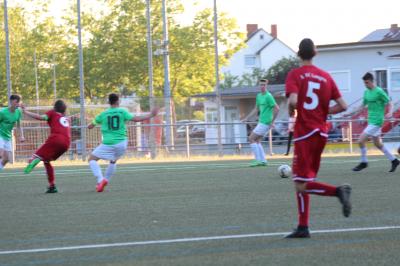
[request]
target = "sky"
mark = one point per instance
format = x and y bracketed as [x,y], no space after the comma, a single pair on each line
[325,22]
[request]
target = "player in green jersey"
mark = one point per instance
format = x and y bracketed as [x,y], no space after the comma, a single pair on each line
[115,140]
[268,110]
[375,99]
[9,117]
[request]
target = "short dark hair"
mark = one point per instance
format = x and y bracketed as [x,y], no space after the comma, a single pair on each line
[15,97]
[113,98]
[263,80]
[60,106]
[368,76]
[306,49]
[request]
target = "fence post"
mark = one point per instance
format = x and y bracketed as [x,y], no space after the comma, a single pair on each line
[351,135]
[187,142]
[271,152]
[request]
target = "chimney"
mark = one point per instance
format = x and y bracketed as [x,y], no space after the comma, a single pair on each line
[251,28]
[274,30]
[394,28]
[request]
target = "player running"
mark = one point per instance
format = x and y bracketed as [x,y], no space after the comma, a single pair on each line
[268,110]
[9,116]
[115,141]
[375,99]
[56,144]
[310,91]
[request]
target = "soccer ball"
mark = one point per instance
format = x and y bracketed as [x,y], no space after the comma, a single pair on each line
[284,171]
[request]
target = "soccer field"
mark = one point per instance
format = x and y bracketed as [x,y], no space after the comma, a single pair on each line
[197,213]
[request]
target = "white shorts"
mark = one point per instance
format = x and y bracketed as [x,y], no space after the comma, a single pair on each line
[5,144]
[373,131]
[111,152]
[261,129]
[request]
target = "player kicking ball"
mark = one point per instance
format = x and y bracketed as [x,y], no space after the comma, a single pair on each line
[310,91]
[115,140]
[56,144]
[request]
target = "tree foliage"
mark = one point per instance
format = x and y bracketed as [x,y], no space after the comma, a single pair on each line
[114,49]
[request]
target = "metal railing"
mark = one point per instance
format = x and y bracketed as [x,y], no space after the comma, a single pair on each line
[192,138]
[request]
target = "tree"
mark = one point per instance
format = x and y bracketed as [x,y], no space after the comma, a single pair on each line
[277,73]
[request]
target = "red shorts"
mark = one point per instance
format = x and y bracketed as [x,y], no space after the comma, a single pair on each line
[307,157]
[53,148]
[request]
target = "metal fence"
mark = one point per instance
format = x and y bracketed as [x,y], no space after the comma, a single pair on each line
[194,139]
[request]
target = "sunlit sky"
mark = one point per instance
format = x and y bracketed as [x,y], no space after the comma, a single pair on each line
[324,21]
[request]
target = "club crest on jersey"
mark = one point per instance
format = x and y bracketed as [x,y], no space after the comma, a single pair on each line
[64,122]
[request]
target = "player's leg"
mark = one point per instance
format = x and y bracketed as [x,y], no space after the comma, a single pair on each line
[50,177]
[95,167]
[379,144]
[33,161]
[5,158]
[363,150]
[306,164]
[254,148]
[110,170]
[119,151]
[263,160]
[290,136]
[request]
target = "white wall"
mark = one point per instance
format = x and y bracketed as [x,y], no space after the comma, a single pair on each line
[274,52]
[357,62]
[236,65]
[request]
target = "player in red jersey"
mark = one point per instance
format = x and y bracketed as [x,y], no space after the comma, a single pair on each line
[310,91]
[56,144]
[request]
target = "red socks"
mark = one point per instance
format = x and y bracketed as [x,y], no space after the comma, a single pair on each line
[50,173]
[303,207]
[303,199]
[321,189]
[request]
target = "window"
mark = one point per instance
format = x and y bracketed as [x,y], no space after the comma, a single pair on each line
[381,78]
[250,61]
[211,116]
[342,79]
[395,79]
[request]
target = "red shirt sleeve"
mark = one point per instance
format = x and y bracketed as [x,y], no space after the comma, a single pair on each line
[49,114]
[335,91]
[291,84]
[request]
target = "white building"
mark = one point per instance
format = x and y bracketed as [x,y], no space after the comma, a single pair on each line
[378,53]
[262,50]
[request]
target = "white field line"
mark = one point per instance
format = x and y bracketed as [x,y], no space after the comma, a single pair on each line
[188,240]
[177,167]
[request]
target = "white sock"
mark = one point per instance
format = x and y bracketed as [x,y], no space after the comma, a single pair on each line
[254,148]
[364,155]
[96,170]
[387,153]
[110,171]
[261,152]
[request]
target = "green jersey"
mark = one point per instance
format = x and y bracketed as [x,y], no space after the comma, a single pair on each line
[265,103]
[113,125]
[7,121]
[375,99]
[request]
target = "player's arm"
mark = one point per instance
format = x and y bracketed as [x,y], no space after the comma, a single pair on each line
[339,107]
[140,118]
[34,115]
[292,103]
[97,120]
[389,113]
[276,111]
[21,131]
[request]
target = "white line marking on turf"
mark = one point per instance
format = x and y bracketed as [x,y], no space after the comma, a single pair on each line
[177,167]
[193,239]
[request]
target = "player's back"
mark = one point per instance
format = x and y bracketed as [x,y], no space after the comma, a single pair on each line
[315,89]
[59,124]
[113,126]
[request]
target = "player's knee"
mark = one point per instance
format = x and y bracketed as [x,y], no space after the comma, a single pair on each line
[300,186]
